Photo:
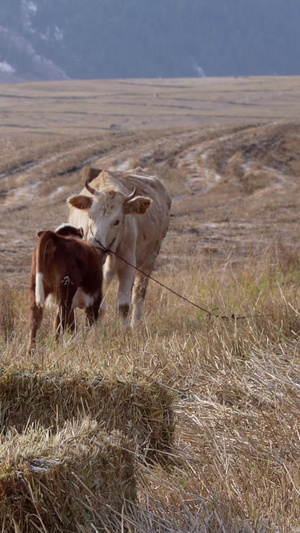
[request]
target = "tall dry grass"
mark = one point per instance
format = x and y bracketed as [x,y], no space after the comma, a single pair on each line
[234,465]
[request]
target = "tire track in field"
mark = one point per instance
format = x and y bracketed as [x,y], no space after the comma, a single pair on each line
[26,184]
[234,189]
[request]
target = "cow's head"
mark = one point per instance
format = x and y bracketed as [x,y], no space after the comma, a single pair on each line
[107,210]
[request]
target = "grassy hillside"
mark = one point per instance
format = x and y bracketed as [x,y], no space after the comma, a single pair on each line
[92,106]
[215,398]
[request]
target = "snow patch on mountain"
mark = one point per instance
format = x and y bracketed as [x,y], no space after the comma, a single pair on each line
[29,9]
[37,66]
[7,68]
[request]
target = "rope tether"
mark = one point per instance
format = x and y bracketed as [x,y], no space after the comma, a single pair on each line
[209,313]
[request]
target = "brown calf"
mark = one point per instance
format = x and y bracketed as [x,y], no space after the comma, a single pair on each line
[69,271]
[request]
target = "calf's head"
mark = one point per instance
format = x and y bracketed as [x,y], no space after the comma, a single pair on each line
[67,230]
[107,210]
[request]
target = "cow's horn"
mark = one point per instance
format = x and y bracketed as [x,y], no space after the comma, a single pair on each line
[89,188]
[132,195]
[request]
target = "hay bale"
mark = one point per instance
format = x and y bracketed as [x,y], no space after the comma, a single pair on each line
[78,480]
[143,411]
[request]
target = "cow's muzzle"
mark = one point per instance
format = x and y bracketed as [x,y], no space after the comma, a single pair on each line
[101,246]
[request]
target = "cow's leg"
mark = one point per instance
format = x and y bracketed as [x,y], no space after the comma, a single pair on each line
[138,296]
[35,318]
[126,277]
[109,269]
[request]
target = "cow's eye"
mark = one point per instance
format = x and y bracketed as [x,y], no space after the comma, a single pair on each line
[117,222]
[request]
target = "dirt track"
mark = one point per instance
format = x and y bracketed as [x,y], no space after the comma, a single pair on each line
[235,191]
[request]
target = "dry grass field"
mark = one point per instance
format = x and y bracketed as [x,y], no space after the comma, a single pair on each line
[191,423]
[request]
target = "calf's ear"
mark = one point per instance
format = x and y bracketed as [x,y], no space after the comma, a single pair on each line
[137,205]
[80,201]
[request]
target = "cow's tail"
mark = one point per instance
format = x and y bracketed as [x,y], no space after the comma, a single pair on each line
[43,249]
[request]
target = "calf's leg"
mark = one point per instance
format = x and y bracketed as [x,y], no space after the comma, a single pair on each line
[92,312]
[35,319]
[65,314]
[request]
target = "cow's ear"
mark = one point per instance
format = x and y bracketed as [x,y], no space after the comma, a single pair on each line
[80,201]
[137,205]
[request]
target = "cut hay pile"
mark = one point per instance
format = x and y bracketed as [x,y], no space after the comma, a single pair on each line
[142,411]
[79,480]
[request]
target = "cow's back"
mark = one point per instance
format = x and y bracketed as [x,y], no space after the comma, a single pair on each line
[153,225]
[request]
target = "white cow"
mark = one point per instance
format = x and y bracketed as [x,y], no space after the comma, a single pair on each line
[128,213]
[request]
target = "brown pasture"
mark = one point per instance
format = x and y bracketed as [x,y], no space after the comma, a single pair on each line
[228,149]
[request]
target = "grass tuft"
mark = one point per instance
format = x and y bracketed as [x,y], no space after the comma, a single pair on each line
[7,314]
